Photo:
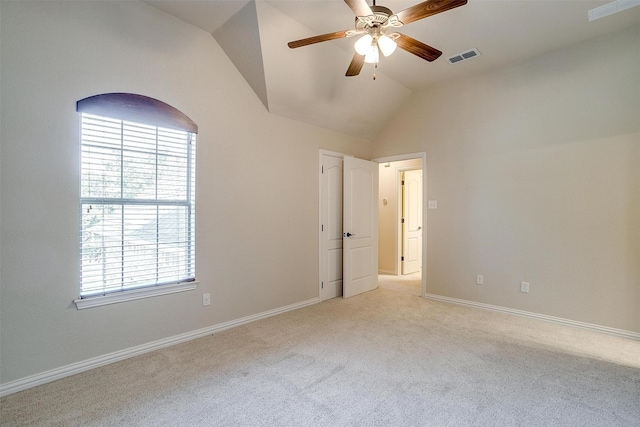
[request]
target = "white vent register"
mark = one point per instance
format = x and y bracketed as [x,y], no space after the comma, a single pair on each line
[611,8]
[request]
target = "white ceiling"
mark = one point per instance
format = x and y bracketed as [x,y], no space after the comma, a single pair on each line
[308,83]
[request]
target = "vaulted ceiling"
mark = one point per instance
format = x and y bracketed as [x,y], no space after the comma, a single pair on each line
[309,83]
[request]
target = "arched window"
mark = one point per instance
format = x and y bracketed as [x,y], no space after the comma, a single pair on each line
[137,199]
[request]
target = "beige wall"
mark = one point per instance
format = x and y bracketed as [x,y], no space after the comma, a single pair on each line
[388,218]
[257,181]
[536,169]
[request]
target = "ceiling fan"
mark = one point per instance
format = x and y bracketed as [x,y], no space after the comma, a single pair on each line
[377,26]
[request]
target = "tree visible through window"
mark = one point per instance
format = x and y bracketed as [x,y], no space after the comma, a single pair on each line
[137,197]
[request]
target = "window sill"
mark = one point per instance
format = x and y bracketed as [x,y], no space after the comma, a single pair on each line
[114,298]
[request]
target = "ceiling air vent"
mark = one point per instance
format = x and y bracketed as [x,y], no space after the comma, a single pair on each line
[611,8]
[463,56]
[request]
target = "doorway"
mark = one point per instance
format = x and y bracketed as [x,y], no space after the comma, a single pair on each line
[331,215]
[398,239]
[400,217]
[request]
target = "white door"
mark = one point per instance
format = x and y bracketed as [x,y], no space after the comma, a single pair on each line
[360,227]
[331,227]
[411,221]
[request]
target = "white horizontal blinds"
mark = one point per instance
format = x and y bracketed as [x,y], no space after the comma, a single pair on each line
[137,205]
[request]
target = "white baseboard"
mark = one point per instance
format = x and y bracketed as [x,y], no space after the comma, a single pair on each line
[95,362]
[387,272]
[559,320]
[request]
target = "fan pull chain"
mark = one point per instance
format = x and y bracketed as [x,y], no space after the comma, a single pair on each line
[375,66]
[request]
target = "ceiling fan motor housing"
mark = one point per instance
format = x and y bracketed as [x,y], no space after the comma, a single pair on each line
[380,15]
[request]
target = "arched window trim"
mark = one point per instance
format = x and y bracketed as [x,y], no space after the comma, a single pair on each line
[136,108]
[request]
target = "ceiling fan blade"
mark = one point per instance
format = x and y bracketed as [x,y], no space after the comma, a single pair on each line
[359,7]
[427,8]
[356,65]
[317,39]
[418,48]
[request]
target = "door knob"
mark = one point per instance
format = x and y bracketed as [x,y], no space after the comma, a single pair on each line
[349,235]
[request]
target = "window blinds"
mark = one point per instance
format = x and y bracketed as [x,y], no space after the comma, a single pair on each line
[137,205]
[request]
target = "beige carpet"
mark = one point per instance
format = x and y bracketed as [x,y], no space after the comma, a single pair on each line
[386,358]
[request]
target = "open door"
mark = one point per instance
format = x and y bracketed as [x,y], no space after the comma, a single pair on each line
[411,221]
[360,227]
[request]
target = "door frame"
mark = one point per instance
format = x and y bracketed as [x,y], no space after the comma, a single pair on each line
[423,157]
[400,157]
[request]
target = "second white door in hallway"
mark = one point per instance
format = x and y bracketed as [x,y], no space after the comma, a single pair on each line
[411,221]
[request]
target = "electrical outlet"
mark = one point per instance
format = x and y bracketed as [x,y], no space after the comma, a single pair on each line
[206,299]
[480,279]
[524,287]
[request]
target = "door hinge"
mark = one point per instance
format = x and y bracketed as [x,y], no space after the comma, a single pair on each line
[322,227]
[402,221]
[401,258]
[322,168]
[402,182]
[322,285]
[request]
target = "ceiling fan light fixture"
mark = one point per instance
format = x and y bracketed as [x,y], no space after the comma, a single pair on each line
[363,45]
[372,57]
[387,45]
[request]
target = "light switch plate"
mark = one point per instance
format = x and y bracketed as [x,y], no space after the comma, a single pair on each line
[433,204]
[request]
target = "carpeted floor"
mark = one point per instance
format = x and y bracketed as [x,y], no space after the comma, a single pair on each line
[385,358]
